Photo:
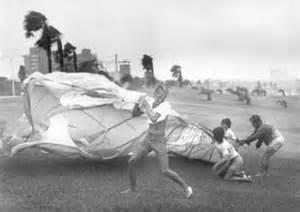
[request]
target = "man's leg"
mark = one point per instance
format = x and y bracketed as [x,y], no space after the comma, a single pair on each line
[162,155]
[271,150]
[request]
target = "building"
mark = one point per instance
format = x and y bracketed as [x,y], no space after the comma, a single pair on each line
[6,87]
[124,67]
[37,60]
[283,79]
[85,55]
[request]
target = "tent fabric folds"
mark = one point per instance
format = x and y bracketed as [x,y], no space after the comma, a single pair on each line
[86,115]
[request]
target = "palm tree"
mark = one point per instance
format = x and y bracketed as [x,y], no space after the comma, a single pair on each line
[147,62]
[92,66]
[70,53]
[176,73]
[35,21]
[59,53]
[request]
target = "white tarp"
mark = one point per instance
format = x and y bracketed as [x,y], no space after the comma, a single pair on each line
[81,114]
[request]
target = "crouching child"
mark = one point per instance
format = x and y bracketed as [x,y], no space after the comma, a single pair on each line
[231,162]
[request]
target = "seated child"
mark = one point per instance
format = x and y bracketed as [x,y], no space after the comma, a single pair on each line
[231,161]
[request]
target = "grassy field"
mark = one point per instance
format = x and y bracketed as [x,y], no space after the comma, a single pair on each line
[32,181]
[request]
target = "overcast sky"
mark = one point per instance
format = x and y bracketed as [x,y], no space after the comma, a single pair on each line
[209,38]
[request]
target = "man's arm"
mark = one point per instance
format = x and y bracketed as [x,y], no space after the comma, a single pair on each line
[257,135]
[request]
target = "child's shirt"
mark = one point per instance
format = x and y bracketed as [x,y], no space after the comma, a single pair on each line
[226,149]
[230,134]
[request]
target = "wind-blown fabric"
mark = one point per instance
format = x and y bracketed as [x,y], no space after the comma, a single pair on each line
[86,115]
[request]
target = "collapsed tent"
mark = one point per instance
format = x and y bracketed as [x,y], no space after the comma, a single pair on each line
[86,115]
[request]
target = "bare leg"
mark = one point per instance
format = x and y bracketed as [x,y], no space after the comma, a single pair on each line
[137,155]
[175,177]
[162,155]
[230,176]
[265,163]
[132,168]
[233,171]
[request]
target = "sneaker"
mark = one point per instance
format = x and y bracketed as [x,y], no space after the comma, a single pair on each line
[188,192]
[248,177]
[259,175]
[127,191]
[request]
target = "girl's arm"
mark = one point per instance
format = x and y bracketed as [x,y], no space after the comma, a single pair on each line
[149,112]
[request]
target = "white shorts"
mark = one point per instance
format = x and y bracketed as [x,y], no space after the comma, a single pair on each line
[274,146]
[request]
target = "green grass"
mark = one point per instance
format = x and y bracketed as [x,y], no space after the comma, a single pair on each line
[33,181]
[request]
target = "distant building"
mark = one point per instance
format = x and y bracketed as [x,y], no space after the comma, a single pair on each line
[283,79]
[85,55]
[124,67]
[6,87]
[279,74]
[37,60]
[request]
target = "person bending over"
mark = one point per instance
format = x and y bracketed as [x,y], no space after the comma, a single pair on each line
[264,133]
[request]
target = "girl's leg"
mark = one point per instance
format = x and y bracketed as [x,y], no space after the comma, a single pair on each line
[163,158]
[235,168]
[141,151]
[222,168]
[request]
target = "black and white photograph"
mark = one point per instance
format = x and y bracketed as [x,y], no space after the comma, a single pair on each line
[149,105]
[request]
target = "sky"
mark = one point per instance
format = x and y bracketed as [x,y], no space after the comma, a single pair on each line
[216,39]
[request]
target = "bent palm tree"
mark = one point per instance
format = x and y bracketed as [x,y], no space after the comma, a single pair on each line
[49,36]
[92,66]
[177,73]
[70,53]
[147,62]
[59,53]
[35,21]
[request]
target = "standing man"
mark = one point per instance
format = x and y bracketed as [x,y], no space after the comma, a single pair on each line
[155,140]
[264,133]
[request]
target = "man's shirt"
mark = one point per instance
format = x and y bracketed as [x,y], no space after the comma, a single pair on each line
[265,133]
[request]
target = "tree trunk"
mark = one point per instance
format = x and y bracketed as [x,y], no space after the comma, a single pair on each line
[48,47]
[75,61]
[49,60]
[209,96]
[60,53]
[180,80]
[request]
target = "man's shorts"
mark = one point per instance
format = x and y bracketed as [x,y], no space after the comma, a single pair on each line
[158,144]
[274,146]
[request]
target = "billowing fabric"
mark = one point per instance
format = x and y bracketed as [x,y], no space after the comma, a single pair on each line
[86,115]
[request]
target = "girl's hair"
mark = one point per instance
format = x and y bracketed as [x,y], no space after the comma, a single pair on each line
[162,87]
[255,119]
[226,121]
[219,133]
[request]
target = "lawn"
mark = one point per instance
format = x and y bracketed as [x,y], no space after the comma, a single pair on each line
[32,181]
